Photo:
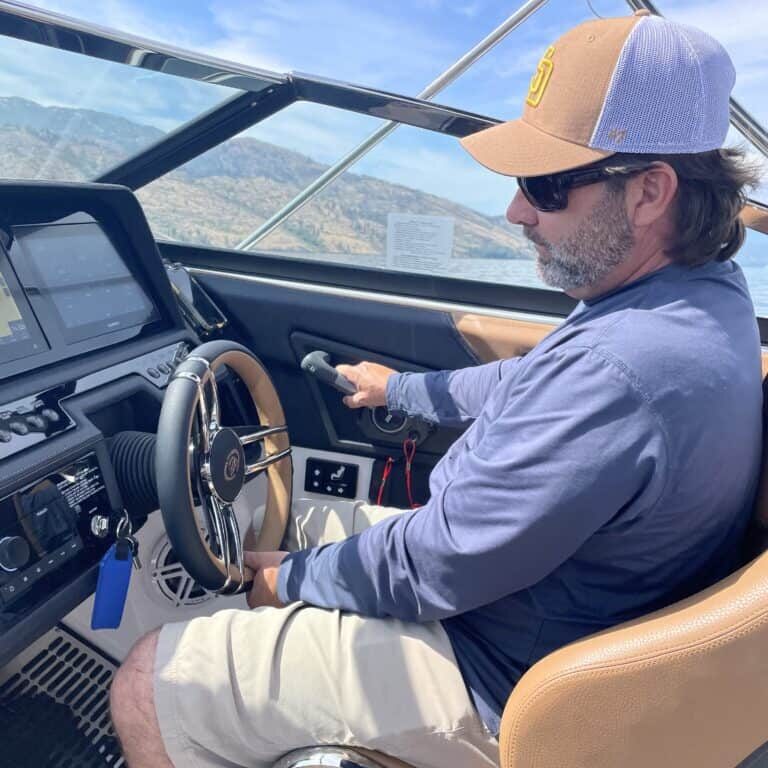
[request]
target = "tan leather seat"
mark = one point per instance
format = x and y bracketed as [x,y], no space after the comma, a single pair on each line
[685,687]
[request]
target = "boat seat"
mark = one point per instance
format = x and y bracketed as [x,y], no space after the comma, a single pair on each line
[684,686]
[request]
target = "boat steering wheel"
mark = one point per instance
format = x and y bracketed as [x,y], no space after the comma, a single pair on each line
[197,454]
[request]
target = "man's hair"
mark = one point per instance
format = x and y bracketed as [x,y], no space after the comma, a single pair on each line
[712,190]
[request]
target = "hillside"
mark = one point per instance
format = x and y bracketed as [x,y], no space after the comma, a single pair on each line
[219,198]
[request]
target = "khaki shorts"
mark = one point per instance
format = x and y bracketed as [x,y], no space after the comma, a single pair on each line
[242,688]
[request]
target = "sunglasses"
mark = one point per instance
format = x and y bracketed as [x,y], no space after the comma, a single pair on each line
[550,193]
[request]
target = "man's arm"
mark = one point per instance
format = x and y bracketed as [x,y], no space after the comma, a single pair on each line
[450,398]
[576,446]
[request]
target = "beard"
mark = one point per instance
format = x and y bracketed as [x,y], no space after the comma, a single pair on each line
[600,243]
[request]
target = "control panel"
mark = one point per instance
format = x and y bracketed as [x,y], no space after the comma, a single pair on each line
[46,525]
[331,478]
[31,420]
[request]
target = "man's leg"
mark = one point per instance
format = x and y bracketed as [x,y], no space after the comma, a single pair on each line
[133,707]
[312,524]
[242,688]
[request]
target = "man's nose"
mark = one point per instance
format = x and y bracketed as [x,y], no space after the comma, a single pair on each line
[520,211]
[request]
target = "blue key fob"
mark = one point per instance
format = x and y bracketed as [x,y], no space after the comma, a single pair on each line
[112,587]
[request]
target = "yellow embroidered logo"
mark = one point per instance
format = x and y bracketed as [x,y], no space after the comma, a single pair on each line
[541,78]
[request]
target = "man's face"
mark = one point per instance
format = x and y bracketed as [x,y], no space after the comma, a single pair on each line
[581,245]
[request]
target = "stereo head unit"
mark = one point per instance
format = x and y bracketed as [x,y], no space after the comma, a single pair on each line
[47,525]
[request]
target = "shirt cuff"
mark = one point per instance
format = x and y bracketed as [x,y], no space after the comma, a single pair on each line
[287,587]
[393,391]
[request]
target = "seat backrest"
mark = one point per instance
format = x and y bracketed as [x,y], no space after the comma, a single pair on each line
[757,536]
[684,686]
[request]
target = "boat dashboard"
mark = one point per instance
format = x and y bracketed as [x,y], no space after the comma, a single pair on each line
[91,330]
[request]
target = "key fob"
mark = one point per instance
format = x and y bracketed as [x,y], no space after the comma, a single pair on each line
[112,586]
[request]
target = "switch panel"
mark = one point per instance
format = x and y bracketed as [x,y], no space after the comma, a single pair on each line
[331,478]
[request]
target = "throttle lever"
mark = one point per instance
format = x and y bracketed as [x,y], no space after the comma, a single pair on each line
[318,363]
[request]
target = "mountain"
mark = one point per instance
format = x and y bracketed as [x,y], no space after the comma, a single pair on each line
[222,196]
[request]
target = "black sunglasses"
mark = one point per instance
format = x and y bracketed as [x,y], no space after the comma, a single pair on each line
[550,193]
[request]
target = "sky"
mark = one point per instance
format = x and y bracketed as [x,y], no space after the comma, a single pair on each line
[396,45]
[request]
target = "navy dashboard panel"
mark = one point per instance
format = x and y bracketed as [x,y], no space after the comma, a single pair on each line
[280,324]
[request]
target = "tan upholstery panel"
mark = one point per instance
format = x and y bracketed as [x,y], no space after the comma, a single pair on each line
[685,686]
[755,217]
[495,338]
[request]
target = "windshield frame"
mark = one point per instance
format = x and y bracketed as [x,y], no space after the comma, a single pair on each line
[259,93]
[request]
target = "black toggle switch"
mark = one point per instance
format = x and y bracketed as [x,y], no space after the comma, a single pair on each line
[18,426]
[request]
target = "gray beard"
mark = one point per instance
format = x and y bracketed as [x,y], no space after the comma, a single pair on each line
[601,242]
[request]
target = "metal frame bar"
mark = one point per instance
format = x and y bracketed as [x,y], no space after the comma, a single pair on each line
[346,162]
[199,135]
[233,116]
[390,106]
[34,25]
[273,91]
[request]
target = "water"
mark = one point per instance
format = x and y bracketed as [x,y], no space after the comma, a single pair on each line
[517,272]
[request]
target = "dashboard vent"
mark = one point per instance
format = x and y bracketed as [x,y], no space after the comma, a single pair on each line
[54,706]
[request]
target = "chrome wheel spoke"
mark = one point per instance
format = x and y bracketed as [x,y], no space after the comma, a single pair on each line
[208,405]
[262,464]
[259,435]
[233,529]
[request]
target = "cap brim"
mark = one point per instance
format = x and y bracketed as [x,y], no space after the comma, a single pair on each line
[517,148]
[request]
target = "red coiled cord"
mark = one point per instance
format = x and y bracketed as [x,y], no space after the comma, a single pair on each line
[409,451]
[384,475]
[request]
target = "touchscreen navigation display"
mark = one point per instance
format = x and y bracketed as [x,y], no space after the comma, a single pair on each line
[20,336]
[86,280]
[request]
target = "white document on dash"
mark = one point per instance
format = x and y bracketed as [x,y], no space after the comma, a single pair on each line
[419,243]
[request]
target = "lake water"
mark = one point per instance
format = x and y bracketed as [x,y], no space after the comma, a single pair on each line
[522,272]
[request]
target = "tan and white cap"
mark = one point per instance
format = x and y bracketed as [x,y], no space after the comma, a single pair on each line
[638,83]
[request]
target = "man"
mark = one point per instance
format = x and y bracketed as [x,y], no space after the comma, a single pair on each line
[608,472]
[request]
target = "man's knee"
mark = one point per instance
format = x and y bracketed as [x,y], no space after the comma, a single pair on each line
[131,694]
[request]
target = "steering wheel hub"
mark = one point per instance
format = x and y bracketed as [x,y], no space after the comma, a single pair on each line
[226,466]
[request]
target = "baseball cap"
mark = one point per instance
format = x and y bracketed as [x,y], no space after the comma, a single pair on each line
[640,84]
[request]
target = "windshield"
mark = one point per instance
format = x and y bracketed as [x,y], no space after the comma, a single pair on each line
[72,117]
[68,117]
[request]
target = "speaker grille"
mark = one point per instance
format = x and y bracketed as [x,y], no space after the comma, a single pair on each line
[172,581]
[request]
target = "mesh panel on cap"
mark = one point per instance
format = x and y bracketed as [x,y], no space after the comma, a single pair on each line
[669,92]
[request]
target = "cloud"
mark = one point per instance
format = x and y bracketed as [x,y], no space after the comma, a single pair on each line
[335,38]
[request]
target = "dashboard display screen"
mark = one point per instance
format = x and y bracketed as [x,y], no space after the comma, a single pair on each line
[85,279]
[20,335]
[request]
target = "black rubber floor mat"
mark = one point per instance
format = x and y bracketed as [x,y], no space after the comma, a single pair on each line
[54,707]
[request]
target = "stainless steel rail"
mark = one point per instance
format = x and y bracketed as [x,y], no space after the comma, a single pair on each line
[35,25]
[447,77]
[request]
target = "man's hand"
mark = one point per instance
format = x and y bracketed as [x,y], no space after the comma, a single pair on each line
[265,566]
[371,382]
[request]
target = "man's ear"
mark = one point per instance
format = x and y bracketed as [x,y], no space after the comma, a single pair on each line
[650,194]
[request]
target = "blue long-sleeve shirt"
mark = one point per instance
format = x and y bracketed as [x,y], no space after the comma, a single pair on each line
[608,472]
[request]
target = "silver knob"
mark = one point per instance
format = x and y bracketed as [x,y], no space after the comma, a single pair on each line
[14,553]
[100,526]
